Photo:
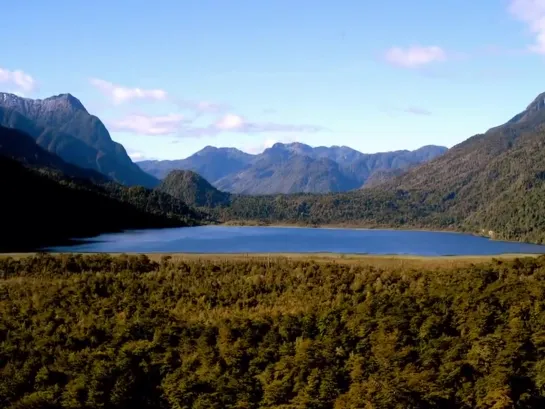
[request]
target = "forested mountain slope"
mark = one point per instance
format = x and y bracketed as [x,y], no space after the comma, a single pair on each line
[46,200]
[492,183]
[193,189]
[41,210]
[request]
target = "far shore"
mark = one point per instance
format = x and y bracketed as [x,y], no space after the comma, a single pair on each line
[358,226]
[347,226]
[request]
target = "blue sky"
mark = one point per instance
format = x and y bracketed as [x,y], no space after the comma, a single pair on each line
[172,76]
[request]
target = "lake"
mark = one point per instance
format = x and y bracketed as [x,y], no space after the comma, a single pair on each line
[228,239]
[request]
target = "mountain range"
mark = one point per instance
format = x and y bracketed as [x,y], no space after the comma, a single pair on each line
[292,168]
[492,183]
[62,126]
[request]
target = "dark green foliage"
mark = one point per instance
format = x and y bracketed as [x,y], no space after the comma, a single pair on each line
[491,184]
[192,189]
[52,200]
[20,146]
[128,332]
[44,207]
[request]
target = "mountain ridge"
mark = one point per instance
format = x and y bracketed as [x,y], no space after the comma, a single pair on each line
[491,184]
[282,169]
[62,125]
[53,201]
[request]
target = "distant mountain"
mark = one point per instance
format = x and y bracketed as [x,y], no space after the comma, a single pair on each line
[492,183]
[211,163]
[61,125]
[280,170]
[194,190]
[291,168]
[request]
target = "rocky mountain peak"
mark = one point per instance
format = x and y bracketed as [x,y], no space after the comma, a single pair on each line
[65,101]
[537,106]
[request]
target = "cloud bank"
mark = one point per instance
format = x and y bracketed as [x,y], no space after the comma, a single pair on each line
[238,124]
[177,124]
[120,94]
[531,12]
[20,80]
[141,124]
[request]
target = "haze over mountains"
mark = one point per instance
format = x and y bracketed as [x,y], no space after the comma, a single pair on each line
[292,168]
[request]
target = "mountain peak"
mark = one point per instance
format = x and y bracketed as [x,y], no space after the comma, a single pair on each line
[536,106]
[56,102]
[193,189]
[207,148]
[67,100]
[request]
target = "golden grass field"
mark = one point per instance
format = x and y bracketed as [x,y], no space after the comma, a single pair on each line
[375,260]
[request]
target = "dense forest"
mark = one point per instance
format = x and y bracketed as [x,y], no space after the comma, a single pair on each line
[127,332]
[42,207]
[49,201]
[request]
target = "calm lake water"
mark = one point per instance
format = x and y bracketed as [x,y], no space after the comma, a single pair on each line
[223,239]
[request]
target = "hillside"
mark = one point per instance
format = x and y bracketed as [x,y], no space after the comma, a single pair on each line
[44,211]
[61,125]
[21,147]
[492,183]
[192,189]
[49,200]
[291,168]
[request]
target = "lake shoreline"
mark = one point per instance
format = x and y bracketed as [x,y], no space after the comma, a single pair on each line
[347,226]
[382,262]
[357,226]
[405,248]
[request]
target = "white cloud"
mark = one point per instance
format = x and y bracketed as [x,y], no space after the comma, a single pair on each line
[416,56]
[531,12]
[120,94]
[22,81]
[136,156]
[236,123]
[230,122]
[202,107]
[147,125]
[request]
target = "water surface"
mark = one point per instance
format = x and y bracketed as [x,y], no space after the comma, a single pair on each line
[228,239]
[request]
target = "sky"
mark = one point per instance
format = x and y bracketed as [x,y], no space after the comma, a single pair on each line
[173,76]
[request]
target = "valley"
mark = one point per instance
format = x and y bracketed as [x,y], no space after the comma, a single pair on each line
[272,205]
[491,184]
